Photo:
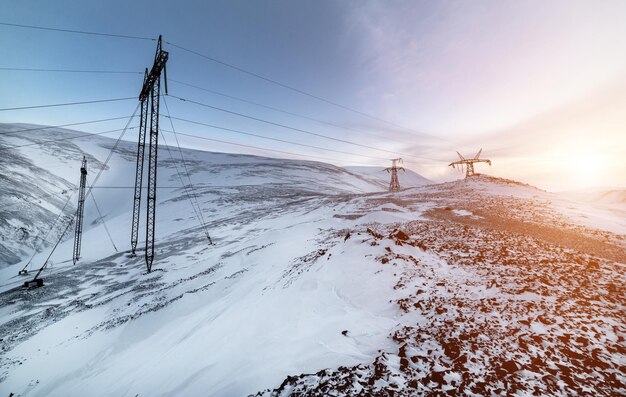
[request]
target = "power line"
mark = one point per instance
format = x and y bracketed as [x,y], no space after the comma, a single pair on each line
[62,125]
[132,187]
[121,36]
[275,139]
[184,187]
[291,114]
[226,95]
[104,166]
[291,88]
[126,128]
[271,108]
[67,104]
[61,139]
[39,197]
[291,128]
[69,197]
[262,148]
[275,109]
[93,197]
[226,64]
[193,190]
[69,71]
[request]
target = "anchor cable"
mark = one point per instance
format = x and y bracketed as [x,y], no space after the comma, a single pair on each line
[104,166]
[193,196]
[93,197]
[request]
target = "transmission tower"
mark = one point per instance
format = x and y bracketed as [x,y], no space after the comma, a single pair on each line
[80,210]
[134,235]
[151,91]
[394,185]
[468,163]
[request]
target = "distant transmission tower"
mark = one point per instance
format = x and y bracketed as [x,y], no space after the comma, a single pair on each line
[469,163]
[394,185]
[151,91]
[80,210]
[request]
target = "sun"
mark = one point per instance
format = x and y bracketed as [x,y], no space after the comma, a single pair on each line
[588,169]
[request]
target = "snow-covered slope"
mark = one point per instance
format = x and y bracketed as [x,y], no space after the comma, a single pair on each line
[379,176]
[241,299]
[615,197]
[318,284]
[37,180]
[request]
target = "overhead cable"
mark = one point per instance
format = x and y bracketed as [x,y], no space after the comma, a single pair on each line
[62,125]
[193,190]
[62,139]
[264,149]
[86,32]
[289,127]
[104,166]
[276,139]
[69,71]
[291,88]
[67,104]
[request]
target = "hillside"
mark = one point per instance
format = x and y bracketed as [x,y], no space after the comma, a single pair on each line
[614,197]
[37,180]
[407,178]
[318,283]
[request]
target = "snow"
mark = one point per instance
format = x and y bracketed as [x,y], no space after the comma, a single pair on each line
[252,309]
[302,321]
[377,175]
[462,212]
[308,273]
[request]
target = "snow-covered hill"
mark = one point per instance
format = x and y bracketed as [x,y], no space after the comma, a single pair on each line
[407,178]
[318,284]
[37,180]
[614,197]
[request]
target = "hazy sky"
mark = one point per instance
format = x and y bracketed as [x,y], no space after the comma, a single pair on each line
[539,85]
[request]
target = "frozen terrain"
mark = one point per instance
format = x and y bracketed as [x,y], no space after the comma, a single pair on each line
[407,177]
[613,197]
[318,283]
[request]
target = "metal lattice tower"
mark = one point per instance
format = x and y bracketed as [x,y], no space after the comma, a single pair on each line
[394,185]
[468,163]
[151,91]
[134,235]
[80,210]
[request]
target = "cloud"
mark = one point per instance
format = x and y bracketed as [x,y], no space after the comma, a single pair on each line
[528,81]
[457,68]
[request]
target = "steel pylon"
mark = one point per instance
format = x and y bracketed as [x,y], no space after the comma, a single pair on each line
[80,209]
[141,145]
[469,163]
[394,185]
[150,93]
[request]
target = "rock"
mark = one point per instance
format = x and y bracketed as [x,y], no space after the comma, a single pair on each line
[374,234]
[510,366]
[400,235]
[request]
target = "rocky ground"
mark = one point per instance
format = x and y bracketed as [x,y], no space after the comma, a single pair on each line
[500,295]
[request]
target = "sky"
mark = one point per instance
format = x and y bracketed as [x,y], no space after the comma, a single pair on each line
[540,86]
